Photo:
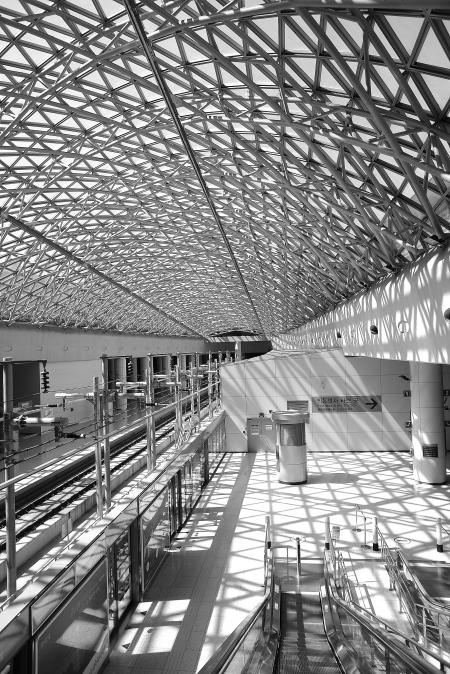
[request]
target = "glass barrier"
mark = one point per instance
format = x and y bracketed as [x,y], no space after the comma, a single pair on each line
[252,647]
[374,644]
[429,619]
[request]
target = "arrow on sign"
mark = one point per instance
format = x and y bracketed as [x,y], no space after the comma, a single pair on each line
[373,404]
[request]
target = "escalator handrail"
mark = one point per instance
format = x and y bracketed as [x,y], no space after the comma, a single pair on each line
[231,644]
[397,634]
[228,648]
[416,664]
[428,601]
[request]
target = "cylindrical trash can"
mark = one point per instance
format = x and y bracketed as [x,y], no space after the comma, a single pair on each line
[290,446]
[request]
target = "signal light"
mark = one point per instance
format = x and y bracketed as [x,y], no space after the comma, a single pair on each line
[45,381]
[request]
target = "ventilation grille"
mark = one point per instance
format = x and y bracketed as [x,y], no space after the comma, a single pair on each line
[430,451]
[298,405]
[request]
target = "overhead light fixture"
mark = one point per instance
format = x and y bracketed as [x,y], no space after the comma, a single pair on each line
[373,329]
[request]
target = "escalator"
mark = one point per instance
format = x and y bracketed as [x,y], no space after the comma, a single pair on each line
[303,645]
[303,625]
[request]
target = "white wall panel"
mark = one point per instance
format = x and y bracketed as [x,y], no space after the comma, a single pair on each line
[328,386]
[54,344]
[397,441]
[363,422]
[339,377]
[329,442]
[365,442]
[408,309]
[363,386]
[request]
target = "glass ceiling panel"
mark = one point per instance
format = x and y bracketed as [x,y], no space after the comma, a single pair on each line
[187,170]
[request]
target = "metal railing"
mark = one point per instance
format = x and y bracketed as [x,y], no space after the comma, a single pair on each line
[429,619]
[374,644]
[252,647]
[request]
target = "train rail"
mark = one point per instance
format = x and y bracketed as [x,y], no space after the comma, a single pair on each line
[56,489]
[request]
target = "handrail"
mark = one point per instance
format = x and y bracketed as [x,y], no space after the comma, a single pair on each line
[409,641]
[415,664]
[132,425]
[227,649]
[429,636]
[429,619]
[222,657]
[442,608]
[154,482]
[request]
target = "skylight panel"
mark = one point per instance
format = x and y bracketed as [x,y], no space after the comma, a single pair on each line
[338,42]
[432,52]
[328,81]
[439,89]
[406,29]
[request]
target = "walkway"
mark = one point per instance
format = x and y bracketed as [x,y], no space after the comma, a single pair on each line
[214,574]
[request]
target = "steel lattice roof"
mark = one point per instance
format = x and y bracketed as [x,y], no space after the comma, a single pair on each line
[182,167]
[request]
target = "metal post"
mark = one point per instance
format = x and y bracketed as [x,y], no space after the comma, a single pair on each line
[327,533]
[98,449]
[375,545]
[216,384]
[178,415]
[439,544]
[104,412]
[197,365]
[299,563]
[150,419]
[192,390]
[210,386]
[10,497]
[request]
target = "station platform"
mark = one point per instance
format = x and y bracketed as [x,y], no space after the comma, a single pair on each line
[213,575]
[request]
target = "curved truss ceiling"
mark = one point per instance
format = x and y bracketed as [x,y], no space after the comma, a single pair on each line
[179,167]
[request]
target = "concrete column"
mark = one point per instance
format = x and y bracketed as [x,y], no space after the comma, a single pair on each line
[427,416]
[168,363]
[141,364]
[133,369]
[238,351]
[121,375]
[182,361]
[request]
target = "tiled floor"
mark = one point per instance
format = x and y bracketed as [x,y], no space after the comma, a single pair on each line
[214,575]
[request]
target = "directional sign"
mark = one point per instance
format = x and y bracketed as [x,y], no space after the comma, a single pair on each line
[346,404]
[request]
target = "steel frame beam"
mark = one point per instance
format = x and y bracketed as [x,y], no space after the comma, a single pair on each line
[148,51]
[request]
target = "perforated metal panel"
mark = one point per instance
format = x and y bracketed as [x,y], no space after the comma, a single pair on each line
[298,405]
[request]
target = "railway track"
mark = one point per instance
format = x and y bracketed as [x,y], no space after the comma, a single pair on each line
[45,497]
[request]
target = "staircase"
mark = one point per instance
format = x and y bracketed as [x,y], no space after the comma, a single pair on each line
[303,645]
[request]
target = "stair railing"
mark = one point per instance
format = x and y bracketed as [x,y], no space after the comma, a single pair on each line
[377,646]
[428,618]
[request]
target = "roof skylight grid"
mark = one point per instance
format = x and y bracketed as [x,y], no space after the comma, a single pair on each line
[202,167]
